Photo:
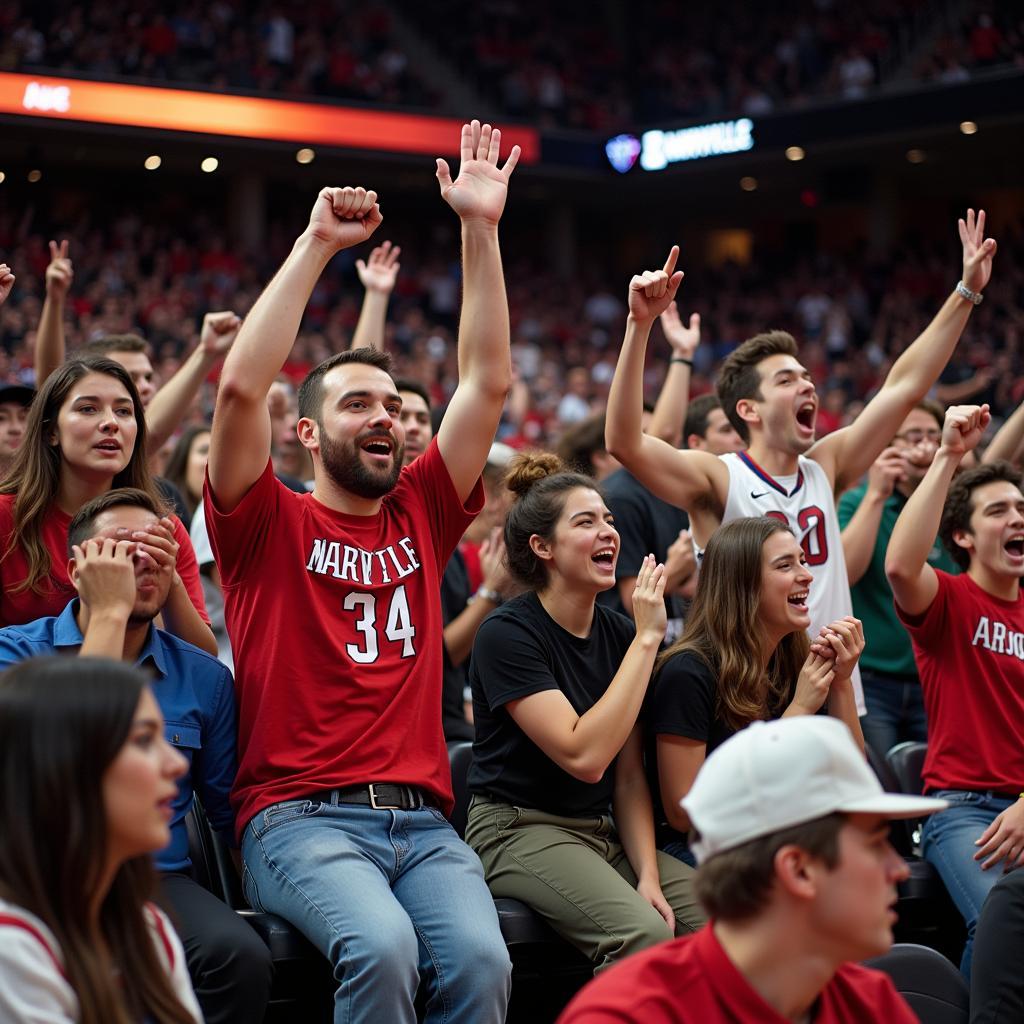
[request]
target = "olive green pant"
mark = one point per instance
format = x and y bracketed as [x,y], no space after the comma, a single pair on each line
[574,873]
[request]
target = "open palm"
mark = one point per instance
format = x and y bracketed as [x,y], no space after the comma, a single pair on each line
[480,190]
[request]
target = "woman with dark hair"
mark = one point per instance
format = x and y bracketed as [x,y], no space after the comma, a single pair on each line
[744,656]
[86,433]
[86,786]
[186,468]
[558,683]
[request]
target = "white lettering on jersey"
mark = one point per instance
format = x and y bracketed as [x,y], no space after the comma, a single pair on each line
[365,568]
[996,637]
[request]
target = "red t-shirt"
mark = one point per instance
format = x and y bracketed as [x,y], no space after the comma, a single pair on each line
[57,588]
[335,624]
[969,648]
[692,981]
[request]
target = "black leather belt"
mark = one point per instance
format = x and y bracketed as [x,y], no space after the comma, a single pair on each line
[382,796]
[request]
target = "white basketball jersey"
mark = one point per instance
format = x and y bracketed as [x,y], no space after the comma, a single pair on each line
[806,504]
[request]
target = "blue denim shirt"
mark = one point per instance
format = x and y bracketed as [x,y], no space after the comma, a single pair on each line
[197,698]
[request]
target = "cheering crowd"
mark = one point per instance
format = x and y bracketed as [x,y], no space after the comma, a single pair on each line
[670,648]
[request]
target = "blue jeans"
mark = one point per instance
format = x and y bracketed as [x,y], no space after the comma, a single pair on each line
[387,897]
[947,842]
[895,711]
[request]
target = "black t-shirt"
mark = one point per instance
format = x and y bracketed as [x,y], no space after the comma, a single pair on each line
[683,701]
[520,650]
[646,525]
[455,594]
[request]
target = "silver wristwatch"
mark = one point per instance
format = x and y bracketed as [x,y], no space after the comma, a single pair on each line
[975,297]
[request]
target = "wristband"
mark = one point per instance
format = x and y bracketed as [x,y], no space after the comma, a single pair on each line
[680,359]
[965,292]
[488,595]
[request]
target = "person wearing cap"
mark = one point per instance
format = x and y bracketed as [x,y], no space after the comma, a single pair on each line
[968,638]
[799,879]
[15,400]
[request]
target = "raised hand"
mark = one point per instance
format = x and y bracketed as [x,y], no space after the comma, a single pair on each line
[480,190]
[105,576]
[218,332]
[6,282]
[651,292]
[380,271]
[649,599]
[889,469]
[493,568]
[684,340]
[844,640]
[59,272]
[964,427]
[813,684]
[343,217]
[680,561]
[978,250]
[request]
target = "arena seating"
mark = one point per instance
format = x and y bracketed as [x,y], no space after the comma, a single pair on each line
[934,988]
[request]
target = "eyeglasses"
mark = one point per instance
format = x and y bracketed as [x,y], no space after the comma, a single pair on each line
[917,436]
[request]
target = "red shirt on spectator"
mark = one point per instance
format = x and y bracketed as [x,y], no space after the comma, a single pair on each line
[335,625]
[27,606]
[969,648]
[692,981]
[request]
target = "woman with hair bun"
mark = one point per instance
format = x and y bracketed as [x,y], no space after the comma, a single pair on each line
[561,812]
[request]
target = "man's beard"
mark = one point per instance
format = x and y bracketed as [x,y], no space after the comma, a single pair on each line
[342,463]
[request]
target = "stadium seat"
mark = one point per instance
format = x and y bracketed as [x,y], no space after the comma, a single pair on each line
[302,988]
[906,761]
[932,986]
[546,970]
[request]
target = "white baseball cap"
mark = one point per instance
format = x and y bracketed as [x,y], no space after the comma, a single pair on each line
[774,775]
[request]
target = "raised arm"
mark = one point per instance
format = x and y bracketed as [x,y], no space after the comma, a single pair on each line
[478,196]
[50,347]
[684,478]
[240,445]
[377,275]
[674,399]
[171,403]
[1009,440]
[585,745]
[913,581]
[846,454]
[860,531]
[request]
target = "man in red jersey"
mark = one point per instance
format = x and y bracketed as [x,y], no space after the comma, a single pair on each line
[333,607]
[799,879]
[968,638]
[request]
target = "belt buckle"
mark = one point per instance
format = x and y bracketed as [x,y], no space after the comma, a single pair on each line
[373,800]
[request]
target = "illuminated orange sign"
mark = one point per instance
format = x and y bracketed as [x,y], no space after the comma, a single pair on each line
[242,116]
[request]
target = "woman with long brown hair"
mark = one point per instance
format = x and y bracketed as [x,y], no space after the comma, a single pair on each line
[86,786]
[186,467]
[744,656]
[86,433]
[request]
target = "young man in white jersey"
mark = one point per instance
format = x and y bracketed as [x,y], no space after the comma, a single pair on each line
[770,399]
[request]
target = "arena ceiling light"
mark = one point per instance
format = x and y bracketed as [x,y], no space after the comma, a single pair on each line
[916,156]
[35,175]
[968,127]
[794,153]
[151,163]
[748,184]
[305,155]
[209,164]
[3,177]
